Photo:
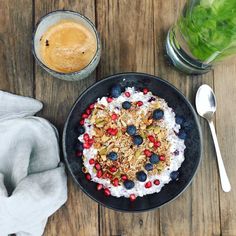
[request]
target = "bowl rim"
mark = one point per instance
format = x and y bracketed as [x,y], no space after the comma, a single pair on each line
[109,77]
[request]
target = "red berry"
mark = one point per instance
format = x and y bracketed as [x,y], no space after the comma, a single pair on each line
[107,192]
[91,106]
[132,197]
[99,173]
[127,94]
[151,138]
[90,141]
[99,186]
[148,184]
[113,169]
[88,176]
[139,103]
[124,177]
[162,158]
[114,116]
[86,145]
[115,182]
[145,90]
[82,122]
[91,161]
[86,137]
[109,99]
[156,182]
[157,144]
[84,115]
[79,153]
[88,111]
[147,153]
[108,175]
[112,132]
[97,166]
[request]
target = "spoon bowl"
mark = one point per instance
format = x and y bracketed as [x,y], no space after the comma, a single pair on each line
[206,102]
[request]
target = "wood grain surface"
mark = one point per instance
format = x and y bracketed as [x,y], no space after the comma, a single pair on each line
[132,35]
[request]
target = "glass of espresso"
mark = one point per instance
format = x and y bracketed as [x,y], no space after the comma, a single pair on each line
[67,45]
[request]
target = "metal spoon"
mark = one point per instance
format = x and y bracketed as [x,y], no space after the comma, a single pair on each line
[206,107]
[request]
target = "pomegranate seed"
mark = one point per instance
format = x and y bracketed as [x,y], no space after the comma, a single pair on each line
[139,103]
[145,90]
[156,182]
[88,111]
[99,186]
[148,184]
[88,176]
[114,116]
[162,158]
[109,99]
[91,106]
[81,122]
[91,161]
[107,192]
[157,144]
[127,94]
[108,175]
[124,177]
[147,153]
[112,132]
[79,153]
[115,182]
[97,166]
[84,115]
[99,173]
[151,138]
[132,197]
[90,141]
[113,169]
[86,137]
[86,145]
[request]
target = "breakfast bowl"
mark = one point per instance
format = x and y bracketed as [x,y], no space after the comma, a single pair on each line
[190,135]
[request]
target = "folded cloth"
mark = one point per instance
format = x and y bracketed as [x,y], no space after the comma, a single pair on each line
[32,180]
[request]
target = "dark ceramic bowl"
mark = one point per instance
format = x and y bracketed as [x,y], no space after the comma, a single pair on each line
[181,106]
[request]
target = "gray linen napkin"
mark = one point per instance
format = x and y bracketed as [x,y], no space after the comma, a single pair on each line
[32,180]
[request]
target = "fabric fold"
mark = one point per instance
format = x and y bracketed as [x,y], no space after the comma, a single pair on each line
[33,182]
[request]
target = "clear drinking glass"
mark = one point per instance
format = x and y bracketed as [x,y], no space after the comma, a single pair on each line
[205,33]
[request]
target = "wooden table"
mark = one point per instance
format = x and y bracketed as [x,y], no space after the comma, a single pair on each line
[132,34]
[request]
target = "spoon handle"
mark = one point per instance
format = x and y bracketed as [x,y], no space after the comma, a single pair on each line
[223,176]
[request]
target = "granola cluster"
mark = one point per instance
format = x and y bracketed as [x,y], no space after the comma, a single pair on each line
[131,158]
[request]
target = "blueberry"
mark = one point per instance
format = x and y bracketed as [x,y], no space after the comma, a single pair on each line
[148,167]
[116,91]
[126,105]
[137,139]
[158,114]
[81,129]
[152,99]
[131,130]
[174,175]
[154,158]
[179,120]
[129,184]
[79,146]
[141,176]
[112,156]
[187,125]
[182,134]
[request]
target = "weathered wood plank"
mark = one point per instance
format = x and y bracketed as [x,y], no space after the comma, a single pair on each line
[195,212]
[126,29]
[225,87]
[16,68]
[80,214]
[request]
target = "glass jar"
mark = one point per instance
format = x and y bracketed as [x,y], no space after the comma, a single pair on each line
[205,33]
